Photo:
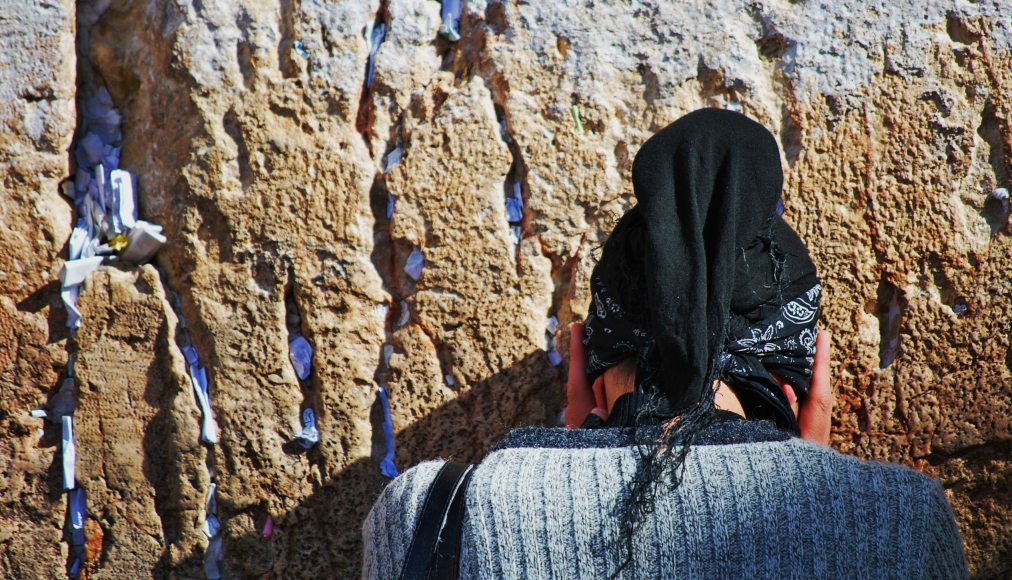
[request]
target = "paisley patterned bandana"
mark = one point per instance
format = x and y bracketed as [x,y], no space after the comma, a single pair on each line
[608,333]
[782,344]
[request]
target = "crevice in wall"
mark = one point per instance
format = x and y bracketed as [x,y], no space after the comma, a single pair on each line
[889,312]
[167,467]
[998,150]
[301,355]
[288,11]
[233,128]
[375,34]
[514,194]
[384,259]
[183,341]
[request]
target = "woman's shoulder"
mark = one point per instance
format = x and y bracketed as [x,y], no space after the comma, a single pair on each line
[386,531]
[407,490]
[814,457]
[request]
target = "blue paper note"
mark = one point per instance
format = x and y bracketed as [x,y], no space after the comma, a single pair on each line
[376,36]
[450,17]
[77,513]
[211,526]
[212,559]
[514,209]
[309,436]
[300,352]
[391,204]
[90,150]
[387,466]
[415,263]
[69,453]
[198,379]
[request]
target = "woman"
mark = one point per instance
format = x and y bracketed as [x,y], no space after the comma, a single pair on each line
[705,303]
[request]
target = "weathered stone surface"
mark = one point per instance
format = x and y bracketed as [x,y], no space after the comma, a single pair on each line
[138,456]
[258,147]
[37,118]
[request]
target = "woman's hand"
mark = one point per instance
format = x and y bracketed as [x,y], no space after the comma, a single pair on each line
[582,397]
[816,415]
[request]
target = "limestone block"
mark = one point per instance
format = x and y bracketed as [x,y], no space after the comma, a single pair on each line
[138,458]
[37,119]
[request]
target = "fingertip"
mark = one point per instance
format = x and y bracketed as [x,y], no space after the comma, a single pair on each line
[576,332]
[823,347]
[823,339]
[792,398]
[600,398]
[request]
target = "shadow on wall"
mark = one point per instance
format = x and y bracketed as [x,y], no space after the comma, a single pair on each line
[321,538]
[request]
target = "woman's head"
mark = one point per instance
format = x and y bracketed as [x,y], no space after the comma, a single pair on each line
[703,279]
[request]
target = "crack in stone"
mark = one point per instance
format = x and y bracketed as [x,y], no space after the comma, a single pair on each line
[365,118]
[172,302]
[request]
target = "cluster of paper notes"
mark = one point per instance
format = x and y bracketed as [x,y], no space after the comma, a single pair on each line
[106,201]
[107,229]
[300,353]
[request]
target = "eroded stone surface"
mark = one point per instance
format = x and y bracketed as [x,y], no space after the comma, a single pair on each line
[138,457]
[37,118]
[258,148]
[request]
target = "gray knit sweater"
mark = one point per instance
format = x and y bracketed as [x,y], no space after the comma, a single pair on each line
[749,506]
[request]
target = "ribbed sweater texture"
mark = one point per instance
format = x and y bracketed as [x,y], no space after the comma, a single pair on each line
[548,508]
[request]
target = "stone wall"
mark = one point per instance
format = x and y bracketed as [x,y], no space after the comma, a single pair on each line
[258,145]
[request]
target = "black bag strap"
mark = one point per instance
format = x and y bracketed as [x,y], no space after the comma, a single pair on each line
[435,546]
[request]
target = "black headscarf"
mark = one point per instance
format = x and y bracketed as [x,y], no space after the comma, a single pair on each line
[703,279]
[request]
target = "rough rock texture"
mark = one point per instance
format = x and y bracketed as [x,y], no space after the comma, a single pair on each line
[37,118]
[137,428]
[258,147]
